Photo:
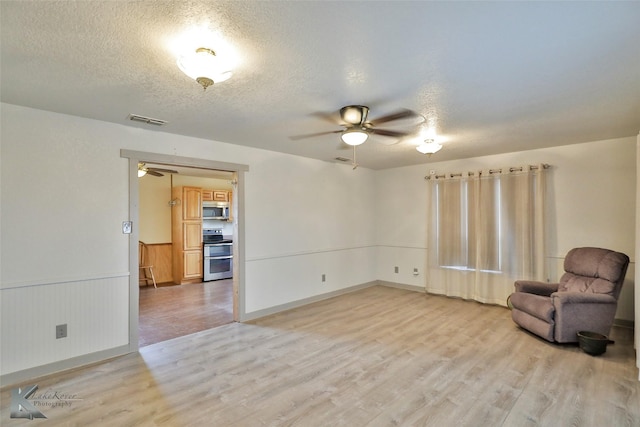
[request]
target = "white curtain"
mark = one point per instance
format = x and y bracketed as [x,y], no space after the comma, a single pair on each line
[486,230]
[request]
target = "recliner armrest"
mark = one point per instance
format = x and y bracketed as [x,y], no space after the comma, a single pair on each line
[537,288]
[581,298]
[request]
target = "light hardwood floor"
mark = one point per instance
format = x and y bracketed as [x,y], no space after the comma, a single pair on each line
[376,357]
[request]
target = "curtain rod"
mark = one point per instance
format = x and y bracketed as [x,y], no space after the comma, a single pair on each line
[491,171]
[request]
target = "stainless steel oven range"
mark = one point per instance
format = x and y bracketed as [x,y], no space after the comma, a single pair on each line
[218,255]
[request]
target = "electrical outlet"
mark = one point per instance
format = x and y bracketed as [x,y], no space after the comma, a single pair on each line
[324,277]
[61,331]
[395,269]
[415,271]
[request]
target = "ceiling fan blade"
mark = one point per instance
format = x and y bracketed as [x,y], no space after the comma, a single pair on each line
[400,114]
[311,135]
[387,132]
[163,170]
[154,173]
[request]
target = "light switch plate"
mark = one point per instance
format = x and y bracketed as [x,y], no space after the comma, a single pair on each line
[126,227]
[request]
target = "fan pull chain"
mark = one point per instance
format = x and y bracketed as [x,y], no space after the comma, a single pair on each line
[355,164]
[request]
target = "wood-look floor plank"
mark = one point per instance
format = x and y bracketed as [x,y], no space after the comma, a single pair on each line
[376,357]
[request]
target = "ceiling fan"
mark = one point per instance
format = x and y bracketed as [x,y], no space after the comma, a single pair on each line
[143,170]
[357,126]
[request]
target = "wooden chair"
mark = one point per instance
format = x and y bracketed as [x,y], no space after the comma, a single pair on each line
[146,268]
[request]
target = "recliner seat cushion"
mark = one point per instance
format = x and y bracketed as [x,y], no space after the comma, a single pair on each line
[538,306]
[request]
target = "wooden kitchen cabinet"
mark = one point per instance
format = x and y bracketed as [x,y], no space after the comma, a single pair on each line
[186,235]
[192,266]
[220,196]
[215,196]
[191,236]
[207,195]
[191,204]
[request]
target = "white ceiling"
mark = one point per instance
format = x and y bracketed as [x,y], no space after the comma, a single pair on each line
[491,77]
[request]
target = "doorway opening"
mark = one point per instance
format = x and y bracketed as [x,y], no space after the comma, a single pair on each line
[183,303]
[171,305]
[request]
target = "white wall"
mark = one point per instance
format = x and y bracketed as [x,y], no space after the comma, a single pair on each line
[64,194]
[305,218]
[591,191]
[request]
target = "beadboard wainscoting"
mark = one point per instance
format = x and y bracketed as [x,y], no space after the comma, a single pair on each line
[95,310]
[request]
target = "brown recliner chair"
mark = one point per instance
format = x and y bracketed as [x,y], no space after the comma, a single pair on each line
[585,299]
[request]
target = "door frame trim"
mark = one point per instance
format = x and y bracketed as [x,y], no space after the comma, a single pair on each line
[135,157]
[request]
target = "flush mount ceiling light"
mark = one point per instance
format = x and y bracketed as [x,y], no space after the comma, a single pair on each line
[429,146]
[354,136]
[204,67]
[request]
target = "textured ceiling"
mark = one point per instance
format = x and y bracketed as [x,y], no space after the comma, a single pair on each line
[491,77]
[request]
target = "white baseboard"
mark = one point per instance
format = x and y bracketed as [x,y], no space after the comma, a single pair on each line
[299,303]
[35,373]
[414,288]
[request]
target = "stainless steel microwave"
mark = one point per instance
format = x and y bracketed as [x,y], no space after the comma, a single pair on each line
[215,210]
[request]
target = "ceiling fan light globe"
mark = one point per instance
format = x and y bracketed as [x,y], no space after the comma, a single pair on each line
[354,137]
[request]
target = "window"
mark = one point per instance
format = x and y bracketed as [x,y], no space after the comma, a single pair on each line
[485,231]
[466,240]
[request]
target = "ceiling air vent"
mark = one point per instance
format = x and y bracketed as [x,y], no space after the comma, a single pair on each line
[147,120]
[342,159]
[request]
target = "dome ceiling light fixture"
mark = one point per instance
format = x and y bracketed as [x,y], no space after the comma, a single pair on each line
[429,146]
[204,66]
[354,136]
